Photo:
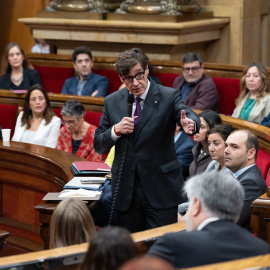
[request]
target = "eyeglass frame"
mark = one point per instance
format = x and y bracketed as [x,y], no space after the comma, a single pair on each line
[193,69]
[131,78]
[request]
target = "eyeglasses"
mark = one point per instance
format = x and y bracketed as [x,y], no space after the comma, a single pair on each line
[193,69]
[129,79]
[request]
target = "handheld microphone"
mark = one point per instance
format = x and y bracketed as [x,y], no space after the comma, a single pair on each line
[130,104]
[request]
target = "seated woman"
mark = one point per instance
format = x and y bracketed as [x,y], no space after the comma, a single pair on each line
[37,123]
[109,249]
[253,103]
[216,146]
[71,224]
[20,75]
[77,135]
[200,151]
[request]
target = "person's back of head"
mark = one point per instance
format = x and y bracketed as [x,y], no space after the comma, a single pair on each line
[147,263]
[71,224]
[220,195]
[109,249]
[211,118]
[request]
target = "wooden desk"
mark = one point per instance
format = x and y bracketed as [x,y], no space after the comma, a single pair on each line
[142,239]
[27,173]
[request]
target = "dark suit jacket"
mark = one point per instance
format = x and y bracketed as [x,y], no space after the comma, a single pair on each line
[183,148]
[254,186]
[218,241]
[151,150]
[204,96]
[199,166]
[95,82]
[30,77]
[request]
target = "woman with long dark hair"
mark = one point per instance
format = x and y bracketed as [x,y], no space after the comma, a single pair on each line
[37,123]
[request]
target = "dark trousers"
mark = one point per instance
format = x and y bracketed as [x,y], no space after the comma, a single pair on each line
[142,216]
[103,209]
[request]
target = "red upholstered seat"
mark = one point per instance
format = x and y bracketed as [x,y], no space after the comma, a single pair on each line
[166,79]
[268,179]
[9,117]
[53,78]
[113,78]
[263,163]
[228,91]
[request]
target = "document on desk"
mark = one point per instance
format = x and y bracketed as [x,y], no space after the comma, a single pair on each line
[81,182]
[82,194]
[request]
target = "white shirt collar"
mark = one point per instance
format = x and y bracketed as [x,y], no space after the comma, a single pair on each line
[143,96]
[238,173]
[206,221]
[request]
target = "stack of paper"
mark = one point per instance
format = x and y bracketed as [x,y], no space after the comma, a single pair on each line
[79,193]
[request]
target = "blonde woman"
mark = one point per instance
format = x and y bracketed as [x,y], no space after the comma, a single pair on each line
[253,103]
[71,224]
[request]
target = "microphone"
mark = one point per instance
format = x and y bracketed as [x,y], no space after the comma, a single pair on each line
[130,104]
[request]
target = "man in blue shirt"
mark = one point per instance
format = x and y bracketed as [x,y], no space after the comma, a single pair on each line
[86,83]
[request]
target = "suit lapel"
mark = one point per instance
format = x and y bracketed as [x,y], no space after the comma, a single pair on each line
[150,103]
[123,105]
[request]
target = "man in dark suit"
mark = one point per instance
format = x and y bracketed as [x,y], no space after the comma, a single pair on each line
[146,175]
[216,201]
[183,147]
[198,90]
[240,157]
[86,83]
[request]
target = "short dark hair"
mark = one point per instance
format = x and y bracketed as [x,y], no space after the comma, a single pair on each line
[81,50]
[73,108]
[109,249]
[128,59]
[223,130]
[191,57]
[211,118]
[252,142]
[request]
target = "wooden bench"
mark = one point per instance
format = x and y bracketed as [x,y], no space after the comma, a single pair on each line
[27,173]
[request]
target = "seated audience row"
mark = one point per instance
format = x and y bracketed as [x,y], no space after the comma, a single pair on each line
[211,234]
[198,90]
[239,159]
[216,201]
[38,124]
[72,224]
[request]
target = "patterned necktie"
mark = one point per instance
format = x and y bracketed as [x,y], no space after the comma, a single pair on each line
[137,112]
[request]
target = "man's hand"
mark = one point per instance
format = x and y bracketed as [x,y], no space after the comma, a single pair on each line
[187,124]
[94,93]
[126,125]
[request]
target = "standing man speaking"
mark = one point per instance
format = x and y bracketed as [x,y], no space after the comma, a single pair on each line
[140,121]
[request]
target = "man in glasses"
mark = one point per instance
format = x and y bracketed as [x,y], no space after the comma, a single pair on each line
[198,90]
[140,121]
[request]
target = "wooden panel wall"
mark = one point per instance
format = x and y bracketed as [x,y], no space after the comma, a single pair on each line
[11,29]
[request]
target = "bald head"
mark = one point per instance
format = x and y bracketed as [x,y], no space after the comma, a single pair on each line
[241,150]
